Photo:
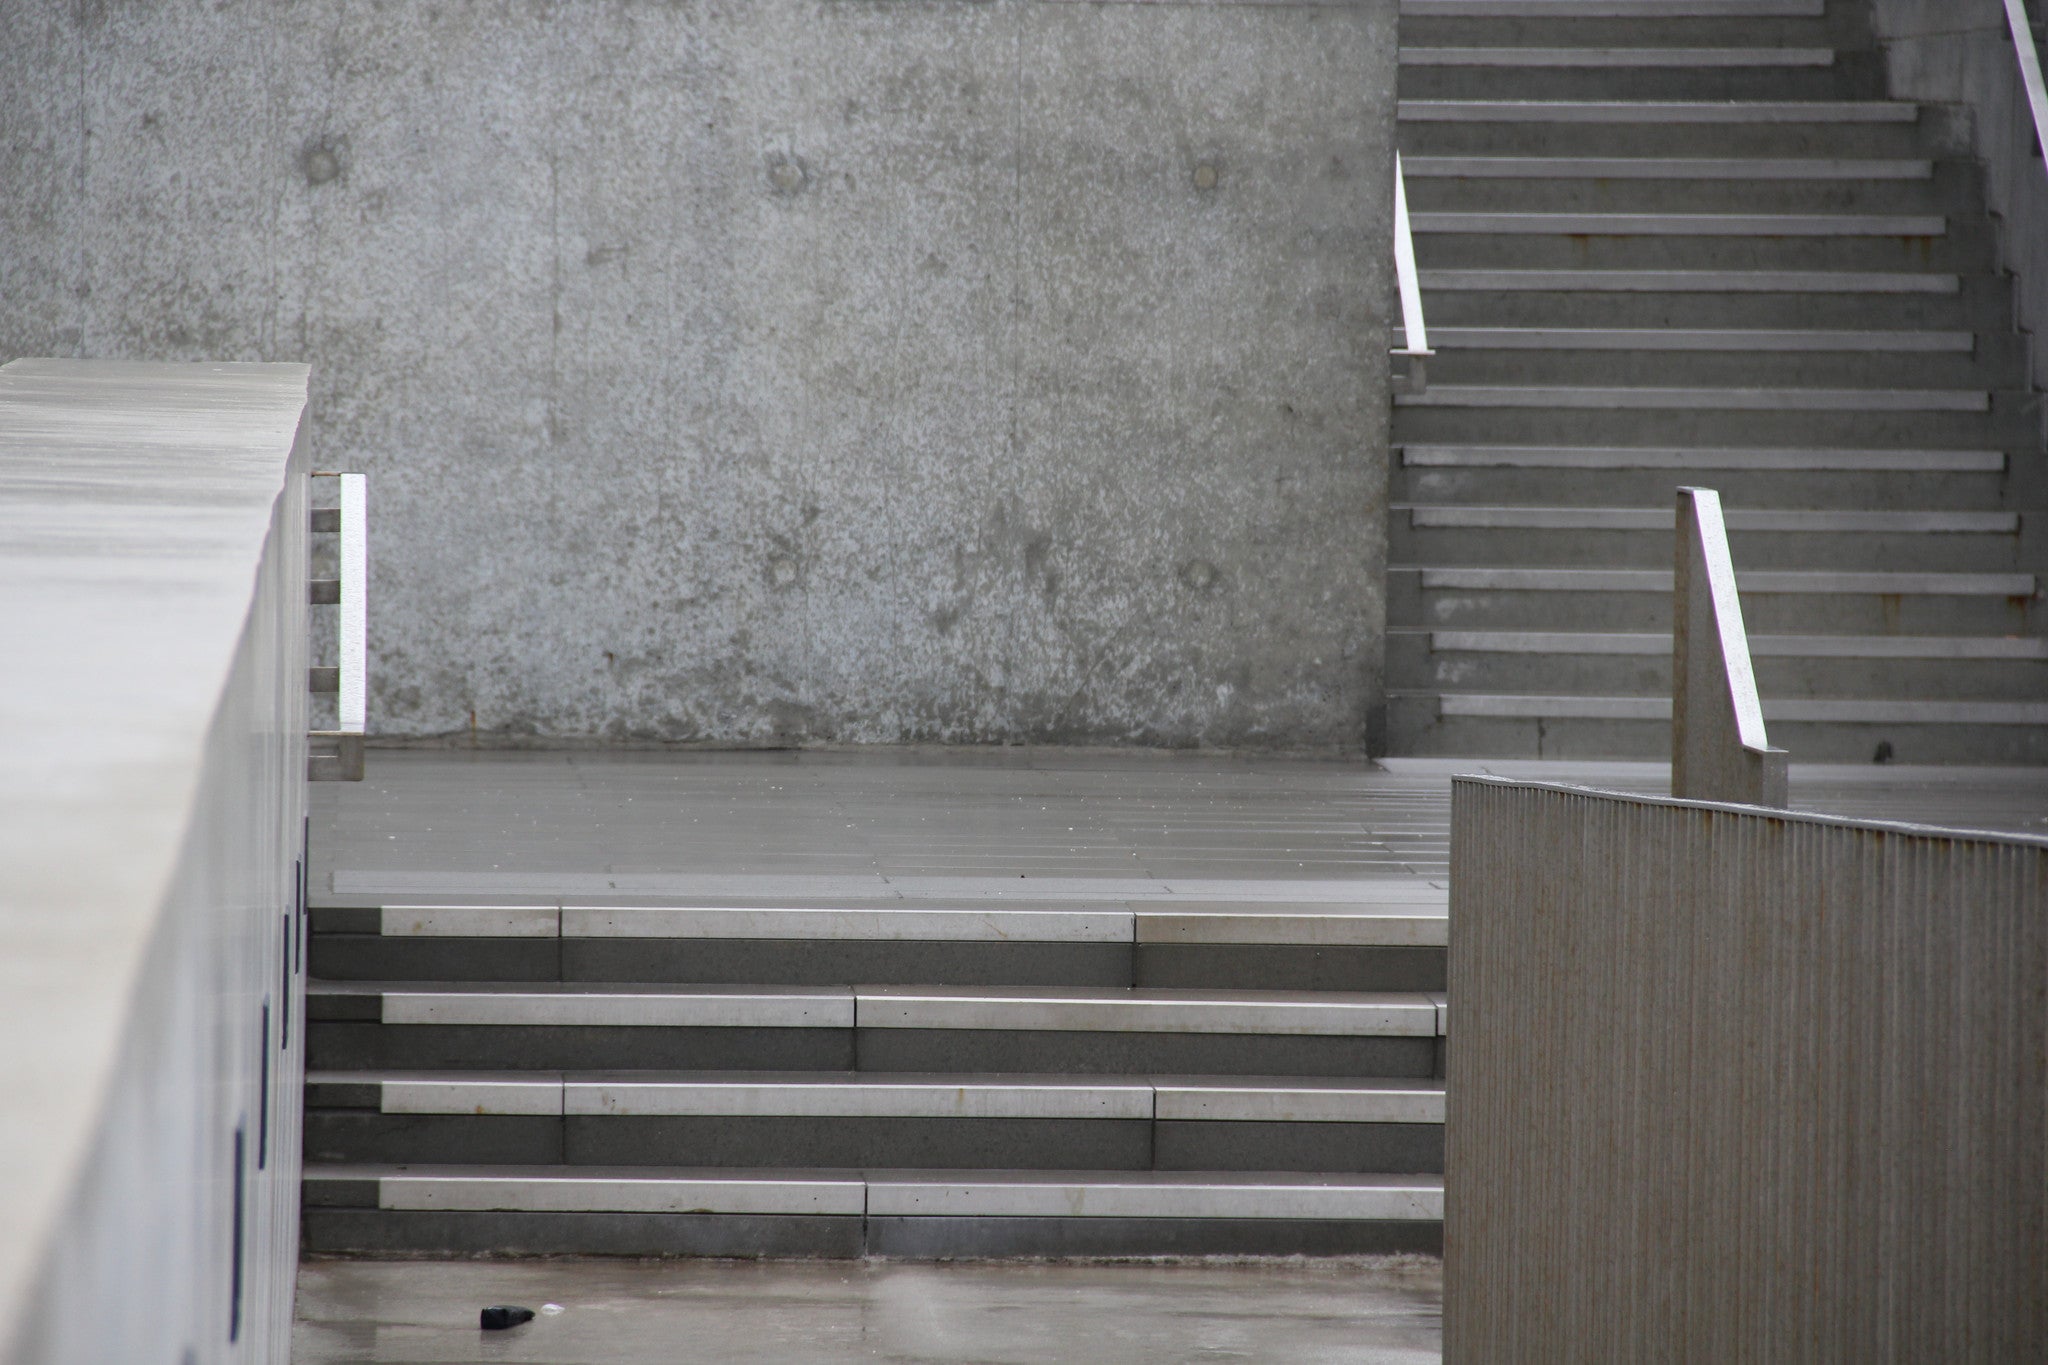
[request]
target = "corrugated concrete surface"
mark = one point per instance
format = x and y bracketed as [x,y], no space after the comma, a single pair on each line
[773,372]
[1736,1085]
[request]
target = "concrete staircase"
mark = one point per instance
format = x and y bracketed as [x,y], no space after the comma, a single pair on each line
[963,1078]
[1690,241]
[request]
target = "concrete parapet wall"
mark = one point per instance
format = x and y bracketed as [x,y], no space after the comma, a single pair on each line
[153,586]
[775,372]
[1728,1084]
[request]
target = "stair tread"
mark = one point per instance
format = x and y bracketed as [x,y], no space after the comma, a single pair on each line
[1701,457]
[1428,167]
[1658,644]
[1738,519]
[1731,399]
[1852,710]
[1490,280]
[1658,111]
[888,1192]
[1738,339]
[1755,580]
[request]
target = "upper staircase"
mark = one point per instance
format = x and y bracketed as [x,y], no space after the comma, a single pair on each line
[1670,242]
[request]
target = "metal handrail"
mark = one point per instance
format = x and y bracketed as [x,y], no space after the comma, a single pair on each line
[1415,332]
[2030,68]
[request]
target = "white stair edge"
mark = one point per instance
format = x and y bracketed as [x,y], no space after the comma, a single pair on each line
[1793,461]
[1680,224]
[1654,645]
[883,1193]
[1697,400]
[1739,340]
[1460,516]
[1819,582]
[1664,168]
[1657,111]
[1632,58]
[1790,710]
[1614,9]
[1692,281]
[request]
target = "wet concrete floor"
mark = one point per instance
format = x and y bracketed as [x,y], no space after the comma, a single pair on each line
[1377,1311]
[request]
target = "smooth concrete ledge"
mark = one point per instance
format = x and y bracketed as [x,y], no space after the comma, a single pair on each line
[152,760]
[1647,644]
[1655,111]
[1818,581]
[1494,281]
[1619,57]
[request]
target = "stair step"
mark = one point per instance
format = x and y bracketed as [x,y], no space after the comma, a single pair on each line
[1794,460]
[1152,1011]
[1818,582]
[1691,281]
[873,1095]
[1826,710]
[877,1194]
[1707,400]
[1736,339]
[1657,111]
[1680,225]
[1627,57]
[1615,9]
[1392,912]
[1803,169]
[1738,519]
[1654,645]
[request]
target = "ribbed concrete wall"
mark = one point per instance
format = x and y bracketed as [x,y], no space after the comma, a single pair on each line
[1727,1085]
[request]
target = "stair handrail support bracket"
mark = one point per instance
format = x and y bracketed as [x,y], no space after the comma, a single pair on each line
[340,758]
[1719,749]
[1415,332]
[2030,70]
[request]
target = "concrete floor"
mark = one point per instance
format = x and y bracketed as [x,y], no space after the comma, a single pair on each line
[1358,1312]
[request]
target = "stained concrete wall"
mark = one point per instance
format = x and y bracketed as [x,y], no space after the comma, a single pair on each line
[776,370]
[1960,54]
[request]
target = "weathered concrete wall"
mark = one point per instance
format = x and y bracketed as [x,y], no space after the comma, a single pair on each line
[772,370]
[1959,53]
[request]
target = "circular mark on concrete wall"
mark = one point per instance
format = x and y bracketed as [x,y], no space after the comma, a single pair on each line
[787,175]
[1200,575]
[322,161]
[1206,176]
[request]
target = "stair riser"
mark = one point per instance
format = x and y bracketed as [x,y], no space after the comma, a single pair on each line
[779,962]
[1961,248]
[1724,369]
[1979,310]
[1420,137]
[870,1142]
[342,1231]
[1490,194]
[362,1046]
[1412,667]
[1740,488]
[370,957]
[1413,729]
[1850,78]
[1678,29]
[1680,427]
[1772,614]
[1861,551]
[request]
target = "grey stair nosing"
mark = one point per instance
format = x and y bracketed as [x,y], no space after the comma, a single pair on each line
[1625,58]
[876,1095]
[1636,339]
[886,1193]
[1755,519]
[1755,581]
[1698,400]
[1789,710]
[1511,223]
[1651,644]
[1109,1009]
[1391,917]
[1692,281]
[1804,169]
[1791,459]
[1614,9]
[1657,111]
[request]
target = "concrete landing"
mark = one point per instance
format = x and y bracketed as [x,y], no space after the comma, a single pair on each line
[1363,1312]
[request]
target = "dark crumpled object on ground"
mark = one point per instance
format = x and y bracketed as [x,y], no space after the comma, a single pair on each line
[499,1316]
